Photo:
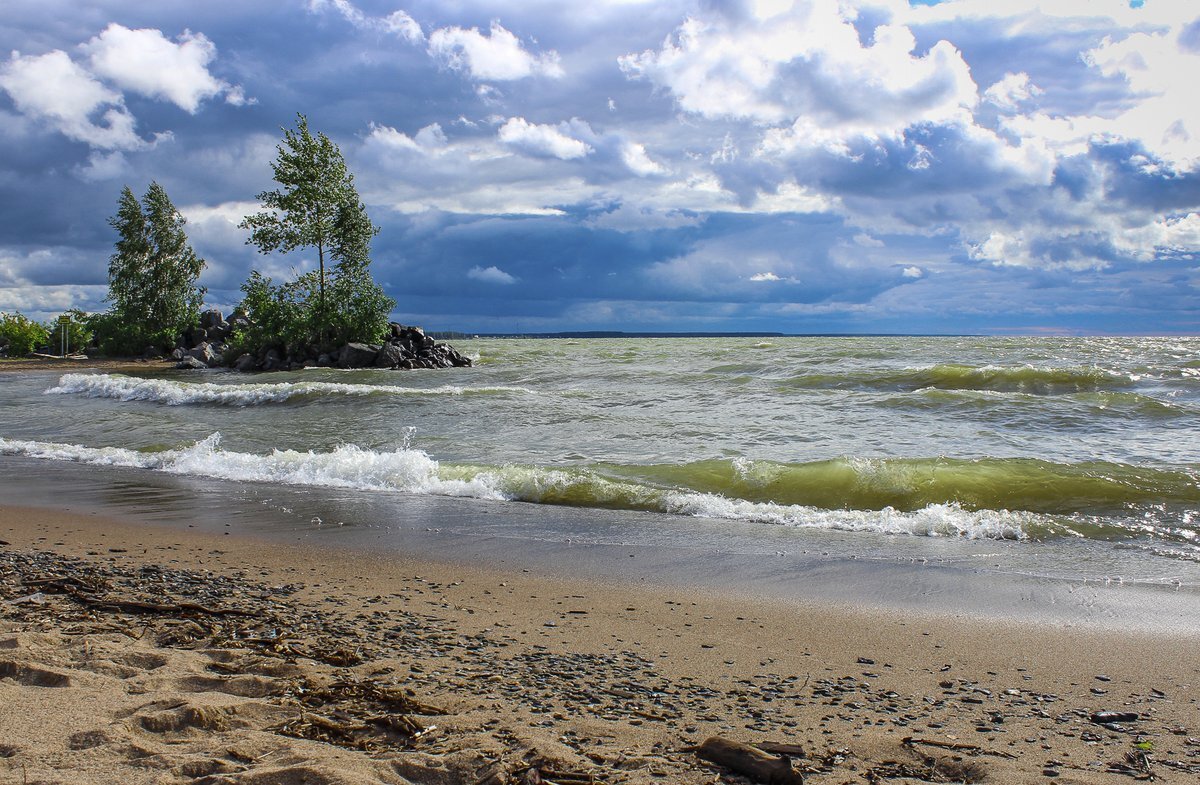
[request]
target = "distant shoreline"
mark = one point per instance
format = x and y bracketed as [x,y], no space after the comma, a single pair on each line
[450,335]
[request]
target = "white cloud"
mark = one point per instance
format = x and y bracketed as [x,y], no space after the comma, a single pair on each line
[807,67]
[498,56]
[635,157]
[397,23]
[867,241]
[429,139]
[1011,91]
[403,25]
[1164,113]
[541,139]
[490,274]
[145,62]
[767,276]
[103,166]
[54,89]
[912,272]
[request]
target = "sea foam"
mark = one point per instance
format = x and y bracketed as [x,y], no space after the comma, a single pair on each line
[176,393]
[413,471]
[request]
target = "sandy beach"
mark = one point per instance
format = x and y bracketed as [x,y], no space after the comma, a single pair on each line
[132,653]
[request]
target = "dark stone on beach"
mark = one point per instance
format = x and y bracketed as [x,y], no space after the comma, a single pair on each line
[1109,717]
[357,355]
[246,362]
[191,363]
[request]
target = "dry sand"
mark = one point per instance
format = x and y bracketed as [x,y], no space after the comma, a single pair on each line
[66,364]
[136,654]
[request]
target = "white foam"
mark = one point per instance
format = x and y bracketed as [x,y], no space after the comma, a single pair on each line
[176,393]
[412,471]
[935,520]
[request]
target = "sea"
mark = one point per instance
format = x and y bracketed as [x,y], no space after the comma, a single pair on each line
[1036,477]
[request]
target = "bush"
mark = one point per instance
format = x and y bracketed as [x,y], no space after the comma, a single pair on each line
[20,335]
[115,336]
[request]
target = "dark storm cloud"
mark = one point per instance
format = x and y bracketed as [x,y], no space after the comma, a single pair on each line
[548,166]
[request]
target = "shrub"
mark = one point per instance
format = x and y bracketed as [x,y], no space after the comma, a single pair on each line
[20,335]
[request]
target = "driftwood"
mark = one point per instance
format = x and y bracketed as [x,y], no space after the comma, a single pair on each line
[140,606]
[909,741]
[83,592]
[749,761]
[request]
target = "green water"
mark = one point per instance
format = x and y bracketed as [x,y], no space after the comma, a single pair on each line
[1034,439]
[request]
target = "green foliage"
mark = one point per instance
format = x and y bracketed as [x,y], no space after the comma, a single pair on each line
[151,276]
[317,207]
[115,336]
[79,332]
[20,334]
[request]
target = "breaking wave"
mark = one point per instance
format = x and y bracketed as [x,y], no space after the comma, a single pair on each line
[1026,378]
[989,498]
[176,393]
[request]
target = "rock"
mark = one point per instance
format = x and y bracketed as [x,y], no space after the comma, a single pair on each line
[191,363]
[272,361]
[324,361]
[389,356]
[178,353]
[357,355]
[245,363]
[205,354]
[211,318]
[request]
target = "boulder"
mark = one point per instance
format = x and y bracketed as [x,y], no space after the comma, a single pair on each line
[190,363]
[211,318]
[357,355]
[205,354]
[272,361]
[245,363]
[389,356]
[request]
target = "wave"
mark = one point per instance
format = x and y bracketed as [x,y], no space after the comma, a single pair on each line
[176,393]
[1118,403]
[990,498]
[1027,379]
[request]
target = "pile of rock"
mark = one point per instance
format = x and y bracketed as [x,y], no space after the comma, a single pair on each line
[203,346]
[405,348]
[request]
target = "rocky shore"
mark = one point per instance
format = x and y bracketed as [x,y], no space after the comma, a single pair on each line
[137,654]
[406,348]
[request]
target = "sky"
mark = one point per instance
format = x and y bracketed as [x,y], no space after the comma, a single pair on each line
[800,166]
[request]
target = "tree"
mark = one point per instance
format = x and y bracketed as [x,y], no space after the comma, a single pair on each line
[152,275]
[316,207]
[20,335]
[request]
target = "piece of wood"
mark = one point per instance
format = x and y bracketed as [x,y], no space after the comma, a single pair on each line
[749,761]
[956,746]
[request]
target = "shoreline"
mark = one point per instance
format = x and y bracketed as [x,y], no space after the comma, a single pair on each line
[572,675]
[916,576]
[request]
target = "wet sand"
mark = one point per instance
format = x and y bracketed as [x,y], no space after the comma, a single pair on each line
[133,653]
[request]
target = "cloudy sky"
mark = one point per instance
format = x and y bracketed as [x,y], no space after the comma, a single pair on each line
[763,165]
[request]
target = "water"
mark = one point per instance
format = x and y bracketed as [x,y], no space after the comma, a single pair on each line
[1073,459]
